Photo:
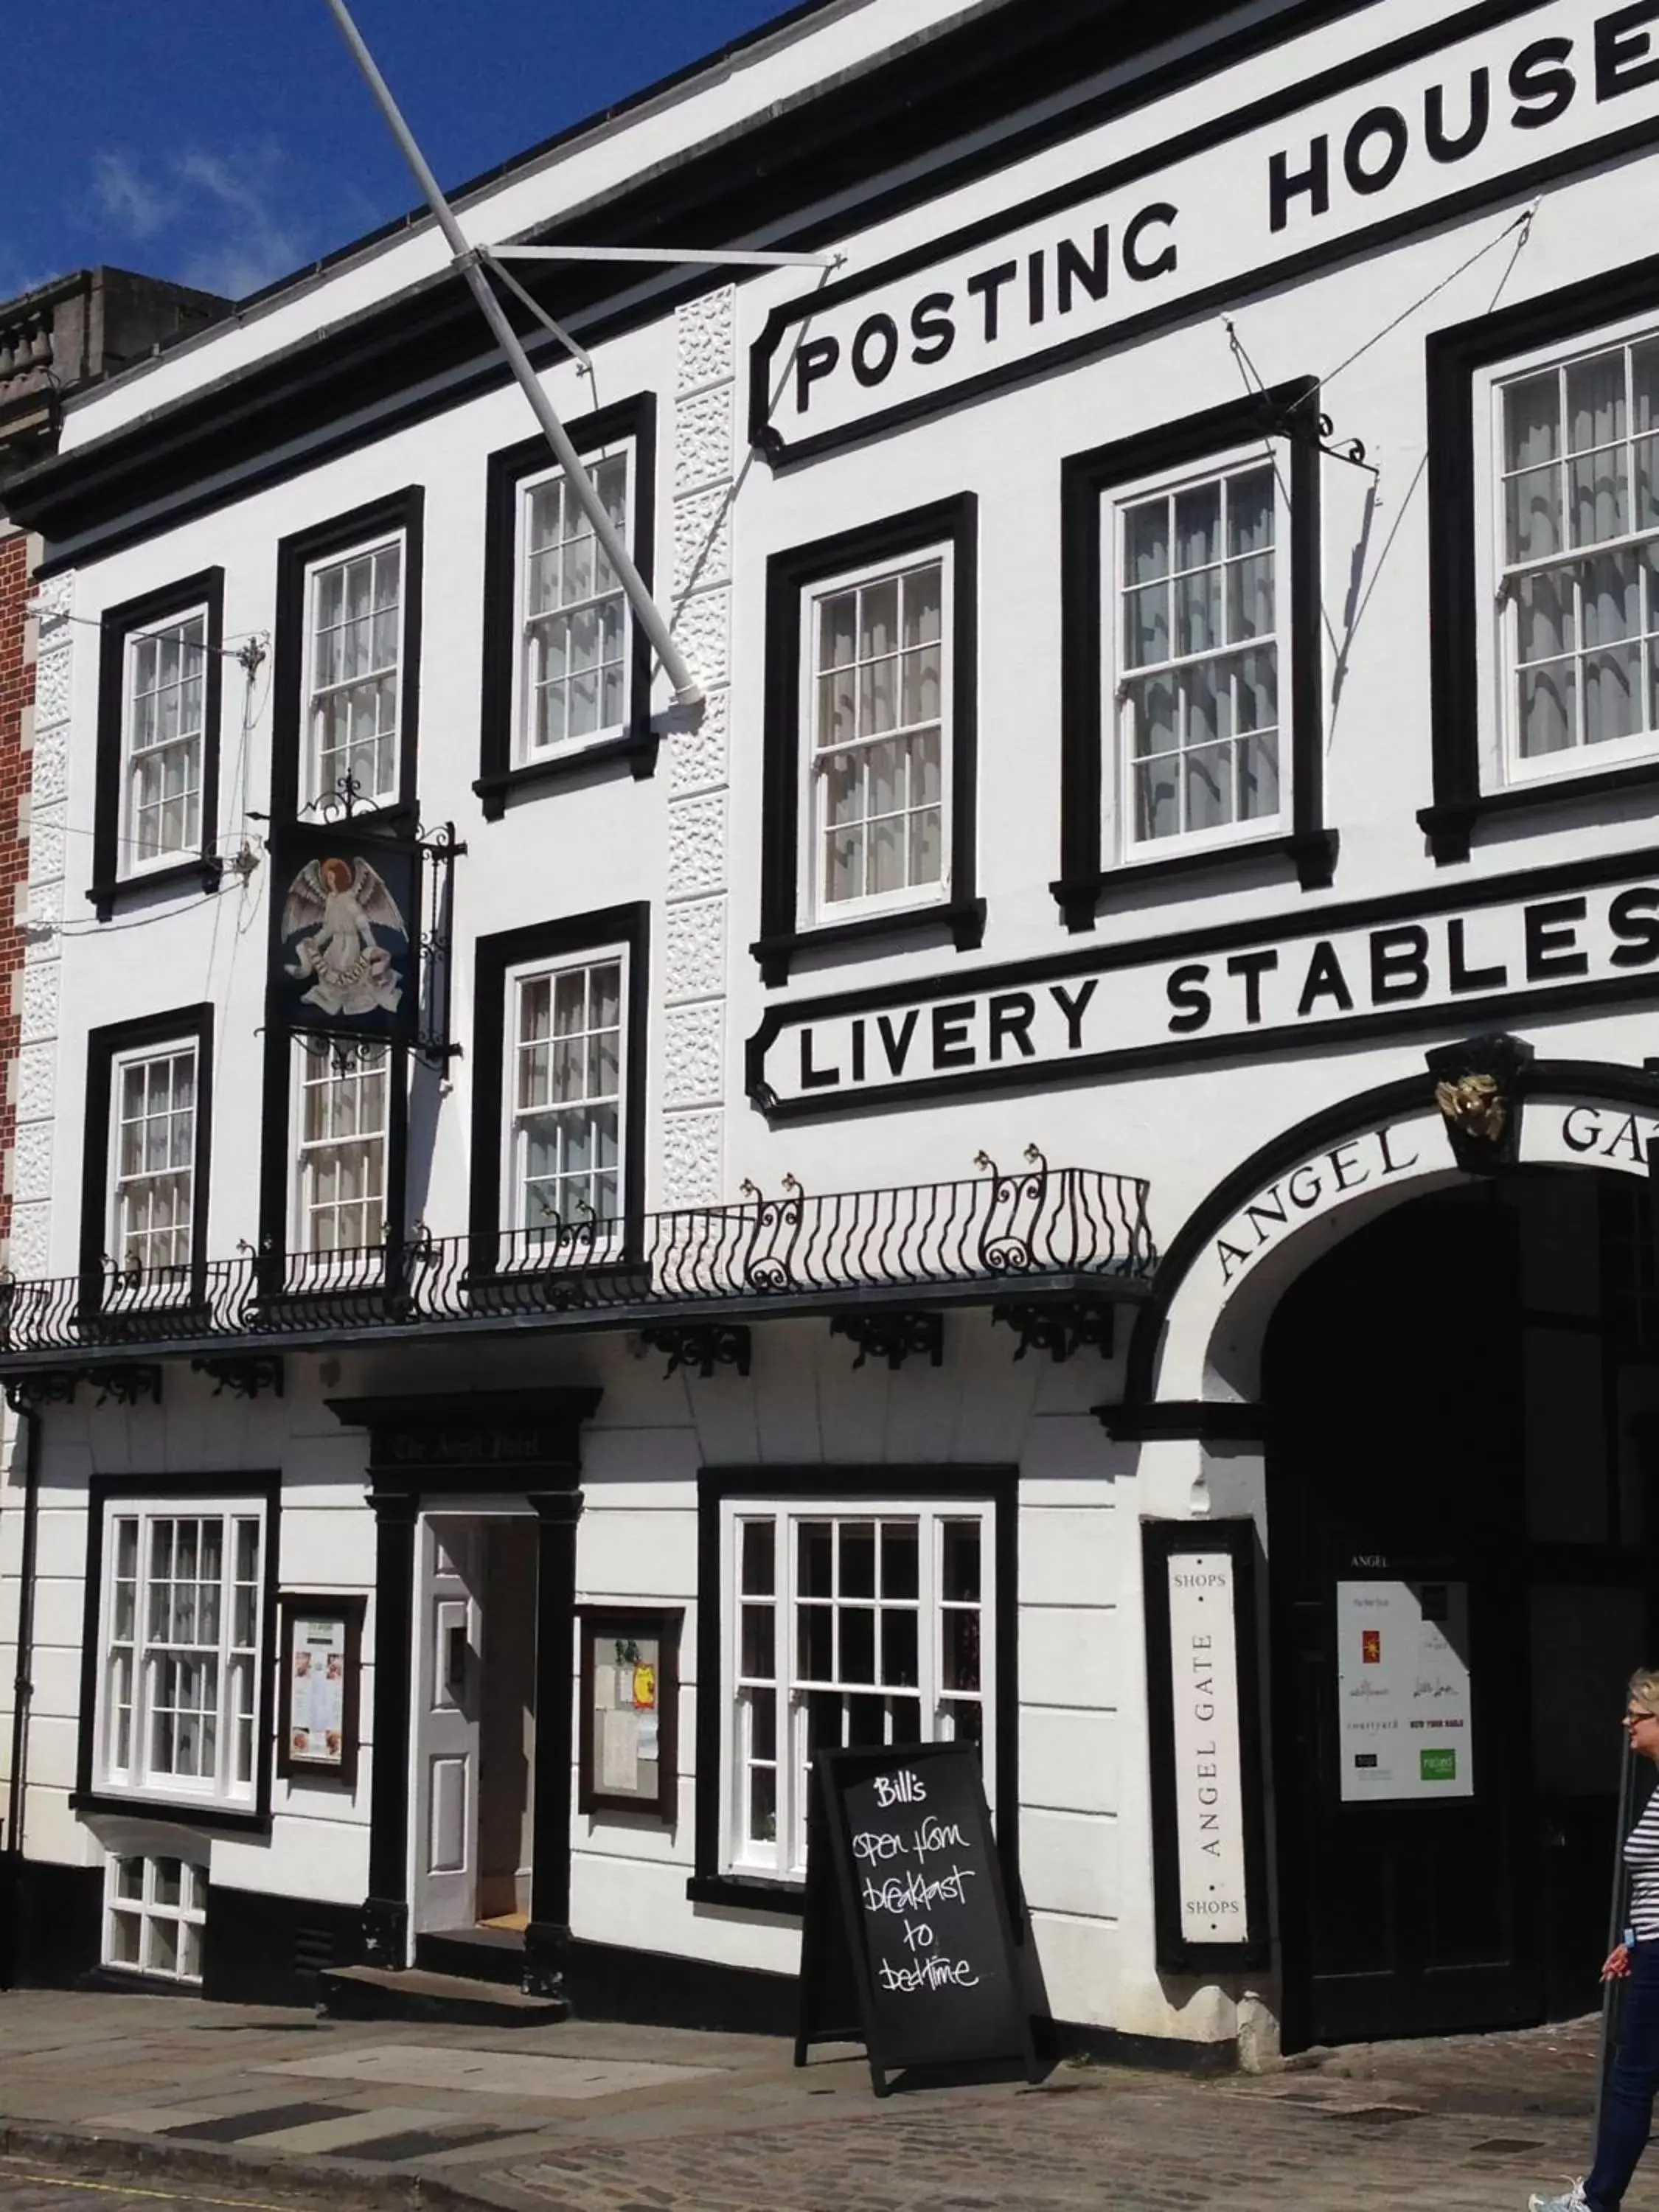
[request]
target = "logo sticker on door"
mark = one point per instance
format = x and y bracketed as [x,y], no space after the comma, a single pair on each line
[1437,1766]
[1370,1647]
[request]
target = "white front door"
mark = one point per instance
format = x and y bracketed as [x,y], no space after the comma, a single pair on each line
[448,1671]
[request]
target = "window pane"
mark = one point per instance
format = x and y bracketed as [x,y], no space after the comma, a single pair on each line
[126,1936]
[961,1561]
[858,1558]
[815,1568]
[759,1660]
[815,1644]
[1546,615]
[1146,541]
[899,1658]
[759,1562]
[130,1878]
[1548,710]
[899,1561]
[1532,421]
[762,1804]
[1533,503]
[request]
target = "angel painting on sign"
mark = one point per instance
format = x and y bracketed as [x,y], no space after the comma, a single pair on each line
[333,908]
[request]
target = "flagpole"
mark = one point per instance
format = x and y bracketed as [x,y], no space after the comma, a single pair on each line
[688,692]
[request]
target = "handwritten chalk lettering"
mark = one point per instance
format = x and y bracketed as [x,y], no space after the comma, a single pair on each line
[906,1788]
[927,1974]
[1462,963]
[915,1893]
[1478,111]
[871,1844]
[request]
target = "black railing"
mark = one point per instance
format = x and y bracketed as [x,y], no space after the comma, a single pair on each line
[995,1229]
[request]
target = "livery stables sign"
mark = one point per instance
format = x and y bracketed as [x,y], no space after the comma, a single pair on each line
[1456,116]
[1569,937]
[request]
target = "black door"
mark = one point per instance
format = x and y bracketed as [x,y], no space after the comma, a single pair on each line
[1392,1371]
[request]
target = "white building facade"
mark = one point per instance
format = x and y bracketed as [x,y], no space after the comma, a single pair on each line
[1107,1059]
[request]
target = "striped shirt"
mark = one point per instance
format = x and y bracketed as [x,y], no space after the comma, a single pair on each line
[1642,1864]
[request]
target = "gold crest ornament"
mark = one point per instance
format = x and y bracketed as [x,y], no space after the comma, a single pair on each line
[1474,1106]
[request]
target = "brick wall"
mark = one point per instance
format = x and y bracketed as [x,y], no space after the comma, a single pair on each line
[16,700]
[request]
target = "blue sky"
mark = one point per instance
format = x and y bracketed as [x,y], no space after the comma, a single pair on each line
[226,142]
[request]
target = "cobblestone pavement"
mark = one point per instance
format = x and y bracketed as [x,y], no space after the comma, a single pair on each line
[117,2104]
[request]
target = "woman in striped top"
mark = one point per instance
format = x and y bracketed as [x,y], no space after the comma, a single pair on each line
[1628,2105]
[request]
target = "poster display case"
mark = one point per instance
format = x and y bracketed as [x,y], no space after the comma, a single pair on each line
[627,1751]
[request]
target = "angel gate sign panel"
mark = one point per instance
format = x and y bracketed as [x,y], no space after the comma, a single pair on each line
[345,933]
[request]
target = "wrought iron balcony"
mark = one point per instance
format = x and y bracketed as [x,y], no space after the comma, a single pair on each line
[1043,1234]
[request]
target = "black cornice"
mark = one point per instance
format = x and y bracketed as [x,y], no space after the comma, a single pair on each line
[849,150]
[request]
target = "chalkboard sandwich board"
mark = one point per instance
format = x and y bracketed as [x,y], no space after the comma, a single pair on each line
[906,1943]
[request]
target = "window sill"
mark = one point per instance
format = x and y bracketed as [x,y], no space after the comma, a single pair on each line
[1311,853]
[963,918]
[204,871]
[748,1892]
[638,750]
[173,1812]
[1449,824]
[135,1982]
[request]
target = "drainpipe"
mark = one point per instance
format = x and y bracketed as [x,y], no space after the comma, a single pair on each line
[22,1686]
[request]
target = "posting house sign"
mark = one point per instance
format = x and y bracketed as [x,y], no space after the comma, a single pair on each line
[1493,98]
[1590,932]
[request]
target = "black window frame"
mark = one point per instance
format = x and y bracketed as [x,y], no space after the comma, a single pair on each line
[1453,358]
[856,1486]
[113,885]
[782,939]
[502,780]
[264,1485]
[494,957]
[179,1025]
[341,534]
[1288,412]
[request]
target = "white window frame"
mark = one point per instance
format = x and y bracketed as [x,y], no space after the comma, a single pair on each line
[188,1913]
[1502,765]
[522,1240]
[131,862]
[338,1263]
[1118,779]
[130,1775]
[175,1273]
[310,753]
[815,910]
[785,1857]
[525,754]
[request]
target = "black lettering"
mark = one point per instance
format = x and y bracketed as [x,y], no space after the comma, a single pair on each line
[1443,148]
[1315,180]
[1538,73]
[1388,124]
[989,283]
[813,1077]
[815,359]
[1399,965]
[1188,993]
[1550,940]
[931,328]
[1036,268]
[1592,1135]
[1622,61]
[896,1044]
[1012,1013]
[1071,268]
[1463,977]
[1074,1005]
[952,1046]
[858,1051]
[1252,966]
[1624,1139]
[1341,1161]
[1231,1258]
[1634,916]
[885,332]
[1160,216]
[1390,1165]
[1259,1210]
[1325,980]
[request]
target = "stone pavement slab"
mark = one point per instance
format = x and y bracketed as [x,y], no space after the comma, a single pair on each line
[597,2118]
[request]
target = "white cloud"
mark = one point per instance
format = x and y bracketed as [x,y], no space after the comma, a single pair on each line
[220,216]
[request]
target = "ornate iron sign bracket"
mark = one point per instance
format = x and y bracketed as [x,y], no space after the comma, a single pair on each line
[56,1386]
[1059,1329]
[894,1337]
[703,1346]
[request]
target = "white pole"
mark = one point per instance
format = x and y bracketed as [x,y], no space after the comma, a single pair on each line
[716,257]
[688,692]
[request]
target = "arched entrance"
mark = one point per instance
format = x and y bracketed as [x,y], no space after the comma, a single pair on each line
[1462,1517]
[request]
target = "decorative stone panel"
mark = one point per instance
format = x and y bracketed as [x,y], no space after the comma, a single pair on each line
[693,1073]
[692,1169]
[31,1173]
[702,539]
[697,847]
[697,756]
[49,781]
[37,1082]
[40,1001]
[30,1243]
[695,960]
[702,626]
[51,686]
[45,835]
[702,439]
[704,331]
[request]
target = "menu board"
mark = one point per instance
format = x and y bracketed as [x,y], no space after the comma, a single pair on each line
[910,1890]
[1404,1708]
[318,1685]
[630,1692]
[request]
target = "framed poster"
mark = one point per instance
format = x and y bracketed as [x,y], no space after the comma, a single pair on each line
[319,1686]
[1404,1708]
[1209,1840]
[629,1738]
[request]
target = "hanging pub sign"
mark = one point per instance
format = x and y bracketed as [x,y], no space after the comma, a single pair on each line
[345,933]
[1209,1847]
[906,1941]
